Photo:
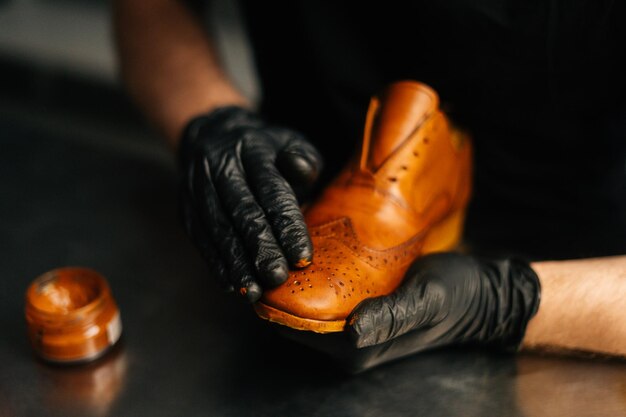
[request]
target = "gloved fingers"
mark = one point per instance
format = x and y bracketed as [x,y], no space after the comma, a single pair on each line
[196,231]
[299,162]
[279,203]
[225,239]
[411,308]
[250,222]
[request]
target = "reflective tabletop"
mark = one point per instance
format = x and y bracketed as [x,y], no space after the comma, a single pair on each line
[189,350]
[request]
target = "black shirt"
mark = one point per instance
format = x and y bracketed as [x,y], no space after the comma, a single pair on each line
[540,84]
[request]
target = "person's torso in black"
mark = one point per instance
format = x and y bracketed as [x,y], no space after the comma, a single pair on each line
[540,84]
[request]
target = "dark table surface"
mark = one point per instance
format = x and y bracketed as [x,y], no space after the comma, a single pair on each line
[188,350]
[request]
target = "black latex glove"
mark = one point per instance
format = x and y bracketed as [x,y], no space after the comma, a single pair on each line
[448,299]
[238,201]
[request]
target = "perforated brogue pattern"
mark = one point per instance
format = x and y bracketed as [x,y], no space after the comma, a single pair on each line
[342,262]
[342,232]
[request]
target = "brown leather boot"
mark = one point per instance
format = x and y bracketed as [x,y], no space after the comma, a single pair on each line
[403,196]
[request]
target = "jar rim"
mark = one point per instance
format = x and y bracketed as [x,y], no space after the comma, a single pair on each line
[73,272]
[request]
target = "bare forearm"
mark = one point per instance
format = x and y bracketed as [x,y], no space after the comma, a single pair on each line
[168,64]
[583,306]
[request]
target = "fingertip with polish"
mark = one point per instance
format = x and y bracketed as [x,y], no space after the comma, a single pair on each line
[366,321]
[303,262]
[252,292]
[303,257]
[359,338]
[300,254]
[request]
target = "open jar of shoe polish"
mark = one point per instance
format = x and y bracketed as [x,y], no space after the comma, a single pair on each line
[71,315]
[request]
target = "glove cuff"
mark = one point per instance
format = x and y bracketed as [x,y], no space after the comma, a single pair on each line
[520,294]
[218,121]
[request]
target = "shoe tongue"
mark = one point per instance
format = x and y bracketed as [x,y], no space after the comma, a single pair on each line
[392,117]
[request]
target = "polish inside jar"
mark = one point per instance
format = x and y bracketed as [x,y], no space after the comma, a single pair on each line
[71,315]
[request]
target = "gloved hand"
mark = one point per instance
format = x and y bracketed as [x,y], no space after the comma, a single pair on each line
[238,199]
[447,299]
